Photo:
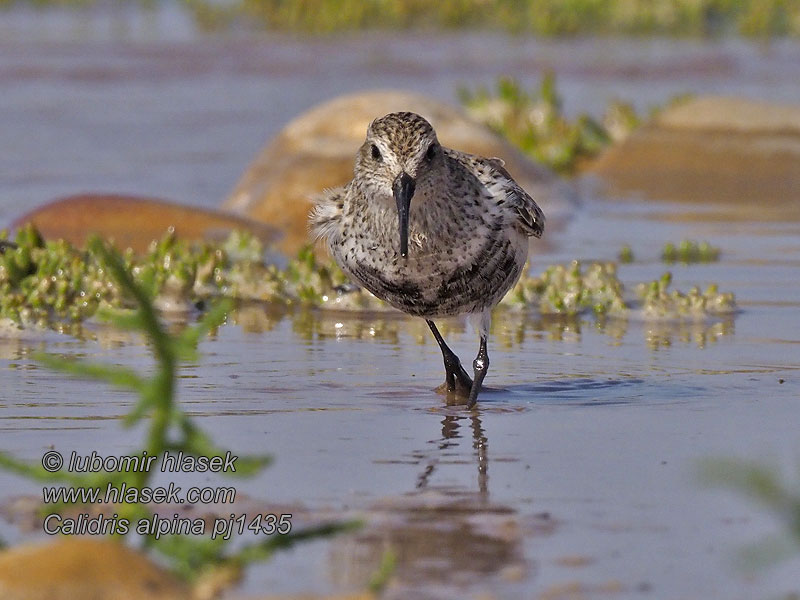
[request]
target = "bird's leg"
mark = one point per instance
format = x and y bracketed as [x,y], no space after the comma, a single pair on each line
[481,366]
[455,375]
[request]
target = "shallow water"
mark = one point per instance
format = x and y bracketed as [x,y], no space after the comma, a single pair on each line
[114,102]
[577,475]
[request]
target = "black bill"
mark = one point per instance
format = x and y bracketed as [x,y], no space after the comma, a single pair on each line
[403,189]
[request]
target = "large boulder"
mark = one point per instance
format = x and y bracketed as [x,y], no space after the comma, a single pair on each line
[84,568]
[133,221]
[317,151]
[735,156]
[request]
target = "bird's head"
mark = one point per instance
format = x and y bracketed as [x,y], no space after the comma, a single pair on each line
[400,155]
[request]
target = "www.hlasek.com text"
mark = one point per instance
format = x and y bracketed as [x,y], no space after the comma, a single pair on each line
[124,494]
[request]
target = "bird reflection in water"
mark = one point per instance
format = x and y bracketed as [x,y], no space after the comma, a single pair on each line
[439,535]
[480,443]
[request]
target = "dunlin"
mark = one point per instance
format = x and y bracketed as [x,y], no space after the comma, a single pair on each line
[456,249]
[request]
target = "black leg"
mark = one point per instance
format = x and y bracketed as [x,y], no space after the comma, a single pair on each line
[452,365]
[481,366]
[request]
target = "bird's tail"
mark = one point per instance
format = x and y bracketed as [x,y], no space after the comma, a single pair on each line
[323,220]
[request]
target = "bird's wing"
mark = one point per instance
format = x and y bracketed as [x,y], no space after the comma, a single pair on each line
[529,217]
[323,220]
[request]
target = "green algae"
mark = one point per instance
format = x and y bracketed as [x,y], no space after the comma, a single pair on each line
[689,251]
[753,18]
[542,17]
[685,252]
[535,122]
[570,290]
[659,302]
[626,255]
[52,284]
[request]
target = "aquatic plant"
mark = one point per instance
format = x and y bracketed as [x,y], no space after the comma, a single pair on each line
[567,290]
[314,281]
[571,289]
[764,485]
[626,254]
[383,574]
[58,286]
[534,122]
[686,252]
[168,427]
[54,285]
[689,251]
[658,301]
[542,17]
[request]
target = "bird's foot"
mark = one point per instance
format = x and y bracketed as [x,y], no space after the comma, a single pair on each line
[458,391]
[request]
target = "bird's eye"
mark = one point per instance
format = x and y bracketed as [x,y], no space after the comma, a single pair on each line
[376,154]
[431,152]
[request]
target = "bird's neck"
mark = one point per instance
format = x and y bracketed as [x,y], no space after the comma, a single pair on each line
[429,217]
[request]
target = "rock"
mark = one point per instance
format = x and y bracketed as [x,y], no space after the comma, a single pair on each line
[134,221]
[739,156]
[89,569]
[721,113]
[317,151]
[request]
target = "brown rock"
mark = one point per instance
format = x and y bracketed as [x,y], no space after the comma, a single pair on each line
[317,151]
[87,569]
[741,158]
[134,221]
[721,113]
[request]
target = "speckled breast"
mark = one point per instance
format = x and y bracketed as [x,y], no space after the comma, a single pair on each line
[442,285]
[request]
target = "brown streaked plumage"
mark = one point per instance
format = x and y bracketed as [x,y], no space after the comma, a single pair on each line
[432,231]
